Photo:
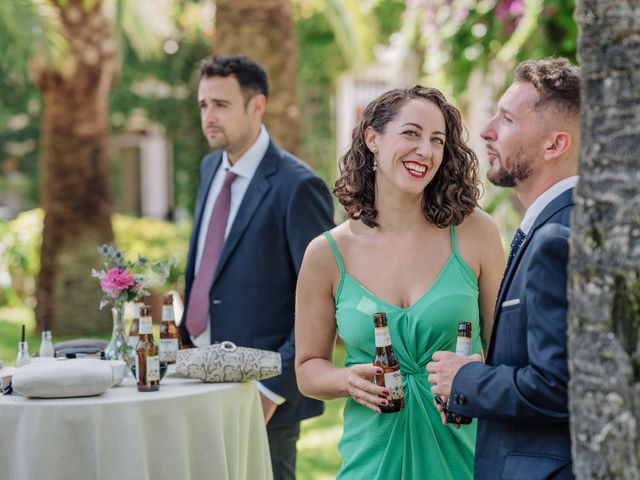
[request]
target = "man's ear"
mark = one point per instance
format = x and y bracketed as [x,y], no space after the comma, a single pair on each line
[558,144]
[258,105]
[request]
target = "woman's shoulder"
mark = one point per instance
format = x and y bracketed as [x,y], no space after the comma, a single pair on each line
[480,223]
[322,247]
[479,240]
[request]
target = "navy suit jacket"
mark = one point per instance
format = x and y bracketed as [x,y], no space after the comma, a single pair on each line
[251,301]
[520,394]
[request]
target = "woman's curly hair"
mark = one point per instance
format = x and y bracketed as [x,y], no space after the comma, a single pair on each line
[450,196]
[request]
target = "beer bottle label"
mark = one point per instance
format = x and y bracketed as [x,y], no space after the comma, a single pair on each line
[153,369]
[463,346]
[145,325]
[168,349]
[167,313]
[383,339]
[393,383]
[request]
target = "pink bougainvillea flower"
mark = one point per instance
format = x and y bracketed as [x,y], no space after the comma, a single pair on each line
[115,281]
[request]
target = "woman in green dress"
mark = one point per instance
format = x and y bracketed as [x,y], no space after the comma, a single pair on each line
[415,246]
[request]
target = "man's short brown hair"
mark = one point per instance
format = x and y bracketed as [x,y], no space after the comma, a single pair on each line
[556,80]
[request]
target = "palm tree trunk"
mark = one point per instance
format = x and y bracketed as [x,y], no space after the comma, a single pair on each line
[75,170]
[263,30]
[604,291]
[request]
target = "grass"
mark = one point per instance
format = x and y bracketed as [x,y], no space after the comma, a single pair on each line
[11,320]
[318,457]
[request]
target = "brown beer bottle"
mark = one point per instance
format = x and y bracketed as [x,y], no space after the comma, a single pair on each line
[169,336]
[147,361]
[463,348]
[390,378]
[134,329]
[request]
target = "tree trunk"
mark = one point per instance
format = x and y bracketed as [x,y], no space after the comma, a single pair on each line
[75,166]
[263,30]
[604,291]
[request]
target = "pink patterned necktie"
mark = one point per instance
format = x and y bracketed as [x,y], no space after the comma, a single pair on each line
[198,309]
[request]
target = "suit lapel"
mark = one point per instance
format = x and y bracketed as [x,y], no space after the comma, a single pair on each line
[253,197]
[564,200]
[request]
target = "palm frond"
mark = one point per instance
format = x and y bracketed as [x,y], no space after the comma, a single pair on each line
[144,24]
[28,27]
[354,29]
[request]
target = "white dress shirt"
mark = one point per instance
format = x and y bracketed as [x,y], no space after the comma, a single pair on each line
[545,199]
[245,167]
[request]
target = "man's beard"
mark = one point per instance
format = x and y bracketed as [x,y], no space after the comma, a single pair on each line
[515,170]
[219,143]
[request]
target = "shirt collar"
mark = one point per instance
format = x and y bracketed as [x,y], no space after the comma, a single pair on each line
[545,199]
[248,163]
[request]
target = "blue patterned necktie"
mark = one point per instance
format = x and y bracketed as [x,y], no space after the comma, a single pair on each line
[518,238]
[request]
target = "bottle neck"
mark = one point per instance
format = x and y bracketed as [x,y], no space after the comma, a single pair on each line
[145,326]
[167,313]
[46,336]
[464,346]
[383,338]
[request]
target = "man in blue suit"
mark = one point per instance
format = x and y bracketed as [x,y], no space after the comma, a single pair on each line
[520,394]
[257,209]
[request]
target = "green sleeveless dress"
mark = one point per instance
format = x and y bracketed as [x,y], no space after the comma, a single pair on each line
[413,443]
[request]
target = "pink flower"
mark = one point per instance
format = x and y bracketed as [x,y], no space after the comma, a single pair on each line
[115,281]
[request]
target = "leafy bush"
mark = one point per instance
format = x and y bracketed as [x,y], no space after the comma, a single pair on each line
[20,242]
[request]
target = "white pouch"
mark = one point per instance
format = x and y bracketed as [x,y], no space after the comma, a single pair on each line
[63,378]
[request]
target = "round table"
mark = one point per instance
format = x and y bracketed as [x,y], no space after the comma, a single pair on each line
[186,430]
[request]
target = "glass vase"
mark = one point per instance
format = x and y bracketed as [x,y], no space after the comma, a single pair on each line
[118,347]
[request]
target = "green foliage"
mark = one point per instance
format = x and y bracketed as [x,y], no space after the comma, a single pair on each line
[28,27]
[156,240]
[321,61]
[474,35]
[319,65]
[162,90]
[20,110]
[389,15]
[20,241]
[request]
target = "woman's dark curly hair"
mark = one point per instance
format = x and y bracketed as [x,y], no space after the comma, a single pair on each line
[450,196]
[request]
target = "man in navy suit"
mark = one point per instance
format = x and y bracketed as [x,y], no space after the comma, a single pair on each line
[257,209]
[520,394]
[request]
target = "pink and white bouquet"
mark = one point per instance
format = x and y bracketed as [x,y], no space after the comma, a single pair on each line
[123,280]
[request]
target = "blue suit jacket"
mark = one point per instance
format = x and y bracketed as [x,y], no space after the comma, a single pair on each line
[252,297]
[520,394]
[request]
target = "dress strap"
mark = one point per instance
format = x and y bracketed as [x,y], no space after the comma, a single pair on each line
[334,247]
[454,244]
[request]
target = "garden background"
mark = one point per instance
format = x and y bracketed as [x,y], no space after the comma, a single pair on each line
[81,78]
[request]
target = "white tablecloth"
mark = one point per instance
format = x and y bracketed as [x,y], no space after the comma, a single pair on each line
[186,430]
